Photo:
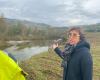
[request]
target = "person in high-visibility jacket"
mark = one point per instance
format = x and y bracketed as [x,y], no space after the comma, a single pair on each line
[9,69]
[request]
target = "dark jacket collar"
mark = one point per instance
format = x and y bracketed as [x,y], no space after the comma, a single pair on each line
[82,43]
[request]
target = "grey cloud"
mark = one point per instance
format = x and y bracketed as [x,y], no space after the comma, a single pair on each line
[54,12]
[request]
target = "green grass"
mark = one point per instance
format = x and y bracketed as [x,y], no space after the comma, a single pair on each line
[46,66]
[96,62]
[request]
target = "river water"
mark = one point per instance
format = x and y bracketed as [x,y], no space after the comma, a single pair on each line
[27,52]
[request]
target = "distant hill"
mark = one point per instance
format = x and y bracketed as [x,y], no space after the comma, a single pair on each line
[93,28]
[43,26]
[27,23]
[12,29]
[90,27]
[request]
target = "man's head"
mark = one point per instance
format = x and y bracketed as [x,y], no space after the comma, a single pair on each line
[75,34]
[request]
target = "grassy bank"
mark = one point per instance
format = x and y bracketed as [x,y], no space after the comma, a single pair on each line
[46,66]
[4,44]
[96,64]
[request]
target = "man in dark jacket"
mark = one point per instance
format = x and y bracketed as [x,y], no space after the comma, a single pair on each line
[77,60]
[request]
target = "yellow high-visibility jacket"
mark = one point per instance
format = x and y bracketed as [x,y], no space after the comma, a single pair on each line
[9,69]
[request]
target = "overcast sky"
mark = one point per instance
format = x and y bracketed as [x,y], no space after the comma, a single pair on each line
[54,12]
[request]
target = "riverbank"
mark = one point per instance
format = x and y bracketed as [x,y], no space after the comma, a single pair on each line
[46,66]
[4,44]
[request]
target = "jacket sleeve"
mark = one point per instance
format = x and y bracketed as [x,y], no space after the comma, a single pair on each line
[86,66]
[59,52]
